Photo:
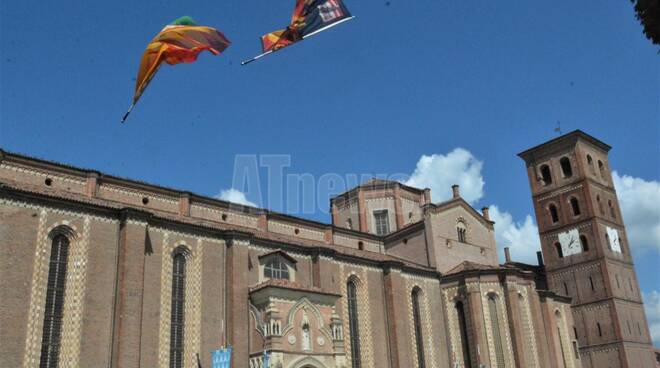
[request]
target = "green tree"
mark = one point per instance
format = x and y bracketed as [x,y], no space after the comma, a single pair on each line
[648,13]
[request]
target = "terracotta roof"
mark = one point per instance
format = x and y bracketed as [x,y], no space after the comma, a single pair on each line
[280,252]
[471,266]
[568,137]
[286,284]
[378,181]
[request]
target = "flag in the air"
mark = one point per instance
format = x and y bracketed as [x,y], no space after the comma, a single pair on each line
[309,17]
[179,42]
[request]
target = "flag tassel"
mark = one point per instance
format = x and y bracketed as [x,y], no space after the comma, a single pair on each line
[245,62]
[130,108]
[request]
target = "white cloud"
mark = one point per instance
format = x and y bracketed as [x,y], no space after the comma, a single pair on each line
[235,196]
[440,172]
[522,238]
[640,205]
[652,306]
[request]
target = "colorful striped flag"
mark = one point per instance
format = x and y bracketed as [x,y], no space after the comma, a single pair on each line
[179,42]
[309,18]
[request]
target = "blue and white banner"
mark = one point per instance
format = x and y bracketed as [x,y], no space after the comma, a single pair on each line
[266,360]
[221,358]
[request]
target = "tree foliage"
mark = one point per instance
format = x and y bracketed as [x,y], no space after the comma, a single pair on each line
[648,13]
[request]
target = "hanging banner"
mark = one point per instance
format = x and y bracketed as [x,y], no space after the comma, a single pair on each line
[266,360]
[221,358]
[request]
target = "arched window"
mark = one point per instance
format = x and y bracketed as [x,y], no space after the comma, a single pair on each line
[546,175]
[590,162]
[566,168]
[601,169]
[462,324]
[560,253]
[354,329]
[612,211]
[600,205]
[495,326]
[276,269]
[575,206]
[50,342]
[177,313]
[461,231]
[418,328]
[349,224]
[554,215]
[584,243]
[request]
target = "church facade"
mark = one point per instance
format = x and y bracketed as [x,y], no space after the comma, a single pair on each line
[101,271]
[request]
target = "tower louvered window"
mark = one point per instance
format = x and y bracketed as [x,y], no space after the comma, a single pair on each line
[495,326]
[353,324]
[50,342]
[177,316]
[418,329]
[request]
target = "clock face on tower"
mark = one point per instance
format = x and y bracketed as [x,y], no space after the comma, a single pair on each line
[615,242]
[570,242]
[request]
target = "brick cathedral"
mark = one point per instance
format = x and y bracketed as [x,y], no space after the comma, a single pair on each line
[102,271]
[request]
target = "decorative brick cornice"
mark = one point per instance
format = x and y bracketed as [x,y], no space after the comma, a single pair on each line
[236,236]
[559,143]
[128,214]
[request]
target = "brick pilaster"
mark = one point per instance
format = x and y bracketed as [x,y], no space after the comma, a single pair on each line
[237,299]
[127,322]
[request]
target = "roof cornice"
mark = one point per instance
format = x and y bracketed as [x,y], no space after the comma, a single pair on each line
[565,140]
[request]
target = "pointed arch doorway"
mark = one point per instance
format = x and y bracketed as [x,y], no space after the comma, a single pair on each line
[308,362]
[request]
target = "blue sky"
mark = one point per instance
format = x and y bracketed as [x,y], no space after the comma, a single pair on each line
[373,95]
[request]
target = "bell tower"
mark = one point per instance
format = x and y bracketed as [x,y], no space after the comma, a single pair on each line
[586,249]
